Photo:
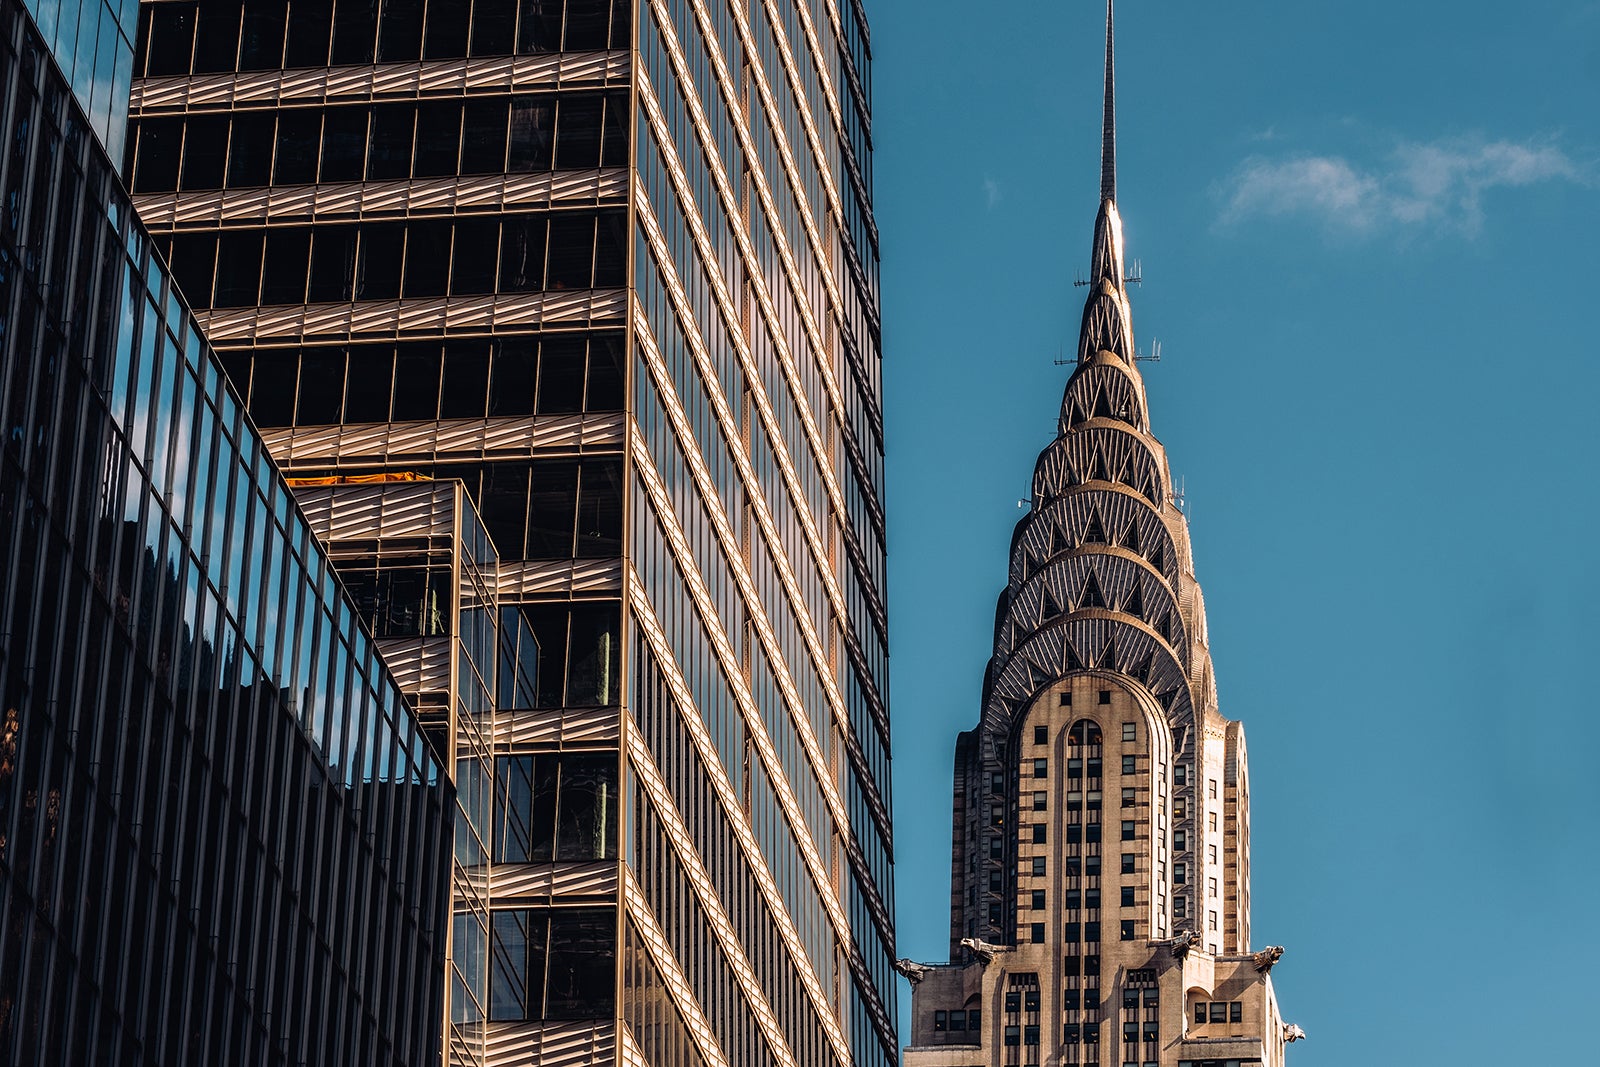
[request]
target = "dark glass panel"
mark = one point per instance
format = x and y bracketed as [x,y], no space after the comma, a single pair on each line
[615,152]
[511,386]
[516,974]
[261,42]
[588,25]
[539,27]
[321,387]
[333,261]
[250,149]
[622,33]
[448,21]
[605,374]
[344,144]
[438,138]
[494,27]
[299,134]
[171,44]
[160,149]
[217,39]
[272,389]
[193,259]
[571,260]
[472,270]
[355,25]
[400,31]
[427,259]
[283,276]
[466,380]
[552,509]
[595,655]
[600,509]
[522,254]
[238,269]
[561,362]
[483,137]
[416,383]
[611,251]
[310,33]
[587,825]
[582,964]
[503,505]
[533,123]
[549,625]
[205,152]
[378,264]
[578,131]
[366,397]
[390,154]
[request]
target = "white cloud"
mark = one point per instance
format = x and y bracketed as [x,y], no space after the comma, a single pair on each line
[991,193]
[1438,185]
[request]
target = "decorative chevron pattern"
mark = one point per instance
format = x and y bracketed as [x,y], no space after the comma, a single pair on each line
[1101,575]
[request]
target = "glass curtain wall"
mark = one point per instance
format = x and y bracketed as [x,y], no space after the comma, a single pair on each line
[612,264]
[223,836]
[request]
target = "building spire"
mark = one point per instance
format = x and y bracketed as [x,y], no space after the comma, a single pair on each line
[1108,132]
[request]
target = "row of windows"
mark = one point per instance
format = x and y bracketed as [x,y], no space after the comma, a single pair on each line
[544,509]
[387,260]
[1219,1011]
[215,36]
[552,963]
[948,1021]
[555,806]
[423,381]
[382,142]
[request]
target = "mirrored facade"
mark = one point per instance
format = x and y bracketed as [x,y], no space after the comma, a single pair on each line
[224,837]
[612,265]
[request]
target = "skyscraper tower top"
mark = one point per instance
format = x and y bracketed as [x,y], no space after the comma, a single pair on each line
[1066,920]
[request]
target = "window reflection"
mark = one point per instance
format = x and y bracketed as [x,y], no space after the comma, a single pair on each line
[330,143]
[552,963]
[401,597]
[560,806]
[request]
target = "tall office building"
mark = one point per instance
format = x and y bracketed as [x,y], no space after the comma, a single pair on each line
[1100,881]
[612,265]
[223,838]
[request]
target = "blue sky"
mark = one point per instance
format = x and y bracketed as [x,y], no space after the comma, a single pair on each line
[1371,244]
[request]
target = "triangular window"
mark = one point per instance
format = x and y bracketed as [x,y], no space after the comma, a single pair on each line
[1096,534]
[1091,594]
[1134,605]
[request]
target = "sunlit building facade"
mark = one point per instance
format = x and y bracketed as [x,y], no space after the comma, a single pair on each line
[223,835]
[612,266]
[1100,876]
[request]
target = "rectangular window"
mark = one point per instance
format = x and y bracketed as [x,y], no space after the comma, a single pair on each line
[1038,900]
[1212,787]
[1180,774]
[1212,920]
[1036,933]
[1200,1013]
[1180,873]
[1038,867]
[1127,896]
[1030,1035]
[1039,833]
[941,1021]
[1129,798]
[1129,764]
[1218,1012]
[1013,1001]
[1180,840]
[1041,735]
[1211,887]
[1235,1012]
[958,1020]
[1041,768]
[1180,906]
[1128,861]
[1013,1035]
[552,963]
[1130,731]
[1128,829]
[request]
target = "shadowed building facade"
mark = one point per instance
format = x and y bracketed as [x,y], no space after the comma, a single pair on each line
[1100,881]
[223,837]
[612,265]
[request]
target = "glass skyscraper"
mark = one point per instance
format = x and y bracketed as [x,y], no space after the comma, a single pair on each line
[223,837]
[612,265]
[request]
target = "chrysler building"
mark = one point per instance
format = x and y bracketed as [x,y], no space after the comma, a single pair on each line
[1100,882]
